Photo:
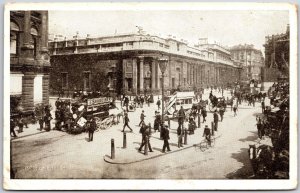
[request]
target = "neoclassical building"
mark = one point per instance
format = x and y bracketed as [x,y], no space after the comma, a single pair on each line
[129,63]
[29,59]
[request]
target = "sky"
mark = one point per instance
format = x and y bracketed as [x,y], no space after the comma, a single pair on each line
[227,28]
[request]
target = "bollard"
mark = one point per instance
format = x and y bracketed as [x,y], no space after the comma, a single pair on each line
[185,137]
[146,145]
[199,121]
[124,140]
[112,149]
[212,129]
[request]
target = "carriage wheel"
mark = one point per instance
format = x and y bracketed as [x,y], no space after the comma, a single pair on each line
[203,145]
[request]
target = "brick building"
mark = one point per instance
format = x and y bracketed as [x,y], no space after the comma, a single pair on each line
[29,59]
[250,59]
[129,63]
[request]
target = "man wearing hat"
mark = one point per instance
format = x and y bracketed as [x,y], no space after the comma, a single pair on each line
[216,120]
[207,134]
[166,138]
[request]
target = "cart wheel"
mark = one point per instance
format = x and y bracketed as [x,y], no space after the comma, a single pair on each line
[203,145]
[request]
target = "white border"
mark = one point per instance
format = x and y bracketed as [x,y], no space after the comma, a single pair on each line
[155,184]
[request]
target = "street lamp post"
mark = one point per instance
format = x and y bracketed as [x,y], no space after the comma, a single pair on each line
[163,66]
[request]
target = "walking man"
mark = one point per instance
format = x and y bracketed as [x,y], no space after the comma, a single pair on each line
[181,116]
[221,111]
[145,130]
[158,103]
[179,135]
[166,138]
[142,117]
[204,114]
[234,110]
[126,120]
[91,128]
[216,120]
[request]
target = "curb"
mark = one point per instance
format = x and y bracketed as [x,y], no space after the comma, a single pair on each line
[16,138]
[107,159]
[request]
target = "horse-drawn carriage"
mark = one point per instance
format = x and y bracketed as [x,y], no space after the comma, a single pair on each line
[216,103]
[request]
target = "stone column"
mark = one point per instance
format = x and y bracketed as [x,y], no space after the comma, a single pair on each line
[46,89]
[27,27]
[141,59]
[44,31]
[157,75]
[134,75]
[27,91]
[152,74]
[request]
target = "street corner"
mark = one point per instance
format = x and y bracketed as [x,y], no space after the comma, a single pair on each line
[124,157]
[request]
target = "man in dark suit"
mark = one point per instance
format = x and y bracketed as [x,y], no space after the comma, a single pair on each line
[166,138]
[216,120]
[145,131]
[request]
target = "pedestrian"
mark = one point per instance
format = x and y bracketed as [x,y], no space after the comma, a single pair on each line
[20,124]
[142,101]
[207,134]
[47,120]
[126,120]
[41,123]
[262,106]
[192,126]
[216,120]
[166,138]
[142,117]
[145,131]
[259,127]
[221,112]
[179,135]
[158,103]
[181,117]
[234,110]
[157,121]
[12,127]
[91,128]
[204,114]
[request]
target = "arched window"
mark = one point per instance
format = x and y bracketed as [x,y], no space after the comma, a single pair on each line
[14,38]
[34,39]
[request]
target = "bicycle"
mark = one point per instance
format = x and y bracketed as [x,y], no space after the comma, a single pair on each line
[204,144]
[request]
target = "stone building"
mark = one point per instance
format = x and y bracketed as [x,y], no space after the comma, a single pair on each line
[29,59]
[129,63]
[251,60]
[277,53]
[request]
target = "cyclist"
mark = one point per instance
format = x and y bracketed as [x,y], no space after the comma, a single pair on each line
[207,134]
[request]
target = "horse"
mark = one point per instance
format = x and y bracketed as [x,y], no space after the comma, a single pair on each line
[262,158]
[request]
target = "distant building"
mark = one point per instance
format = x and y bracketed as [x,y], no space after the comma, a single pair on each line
[277,53]
[29,59]
[250,59]
[129,64]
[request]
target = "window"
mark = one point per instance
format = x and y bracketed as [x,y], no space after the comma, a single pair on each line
[64,80]
[161,45]
[86,80]
[14,38]
[177,46]
[34,39]
[16,84]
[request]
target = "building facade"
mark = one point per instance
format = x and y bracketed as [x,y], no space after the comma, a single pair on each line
[250,59]
[29,59]
[129,64]
[277,53]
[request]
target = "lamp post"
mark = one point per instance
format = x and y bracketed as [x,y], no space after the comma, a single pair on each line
[163,62]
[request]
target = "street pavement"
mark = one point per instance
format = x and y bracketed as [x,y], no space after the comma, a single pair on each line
[57,154]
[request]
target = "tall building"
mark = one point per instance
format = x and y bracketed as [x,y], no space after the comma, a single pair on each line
[277,53]
[129,64]
[250,59]
[29,59]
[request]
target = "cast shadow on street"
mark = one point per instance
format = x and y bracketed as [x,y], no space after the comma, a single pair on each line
[250,138]
[245,172]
